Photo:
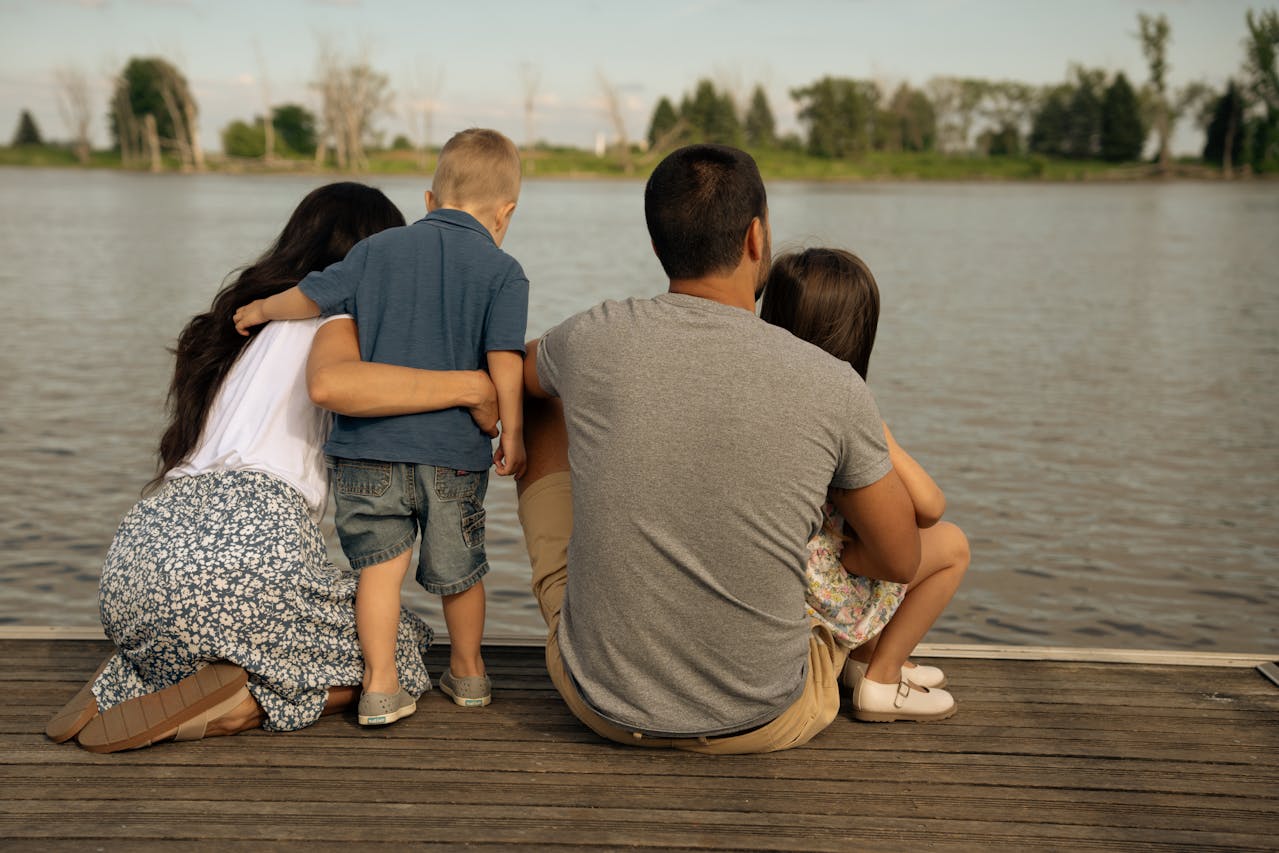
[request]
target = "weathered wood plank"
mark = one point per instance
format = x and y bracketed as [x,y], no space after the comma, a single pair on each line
[1042,754]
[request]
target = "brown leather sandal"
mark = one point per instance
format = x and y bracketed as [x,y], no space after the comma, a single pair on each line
[140,722]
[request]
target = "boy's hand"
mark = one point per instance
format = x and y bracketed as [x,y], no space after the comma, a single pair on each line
[509,458]
[249,316]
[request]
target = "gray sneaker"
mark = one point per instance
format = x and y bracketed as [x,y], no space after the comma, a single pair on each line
[379,709]
[473,691]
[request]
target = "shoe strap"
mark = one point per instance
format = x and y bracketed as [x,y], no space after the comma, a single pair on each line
[195,728]
[903,691]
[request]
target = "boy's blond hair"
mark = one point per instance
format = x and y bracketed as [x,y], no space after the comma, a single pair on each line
[477,167]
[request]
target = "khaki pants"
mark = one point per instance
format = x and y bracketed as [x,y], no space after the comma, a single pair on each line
[546,512]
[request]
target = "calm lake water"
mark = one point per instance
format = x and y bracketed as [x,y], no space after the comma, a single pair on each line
[1088,371]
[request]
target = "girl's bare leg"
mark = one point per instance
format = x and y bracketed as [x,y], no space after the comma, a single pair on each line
[943,562]
[377,617]
[464,615]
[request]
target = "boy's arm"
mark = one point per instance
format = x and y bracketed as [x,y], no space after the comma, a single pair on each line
[507,369]
[887,543]
[339,381]
[928,499]
[291,304]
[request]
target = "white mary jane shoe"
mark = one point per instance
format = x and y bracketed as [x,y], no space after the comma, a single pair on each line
[919,675]
[884,703]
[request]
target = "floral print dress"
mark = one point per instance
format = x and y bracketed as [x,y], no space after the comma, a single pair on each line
[230,566]
[854,608]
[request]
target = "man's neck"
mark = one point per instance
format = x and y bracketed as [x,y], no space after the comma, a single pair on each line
[736,290]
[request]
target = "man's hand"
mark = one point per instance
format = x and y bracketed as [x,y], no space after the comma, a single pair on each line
[248,316]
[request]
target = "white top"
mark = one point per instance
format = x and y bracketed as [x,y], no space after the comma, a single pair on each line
[262,418]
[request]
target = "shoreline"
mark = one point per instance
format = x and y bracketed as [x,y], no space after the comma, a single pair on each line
[791,167]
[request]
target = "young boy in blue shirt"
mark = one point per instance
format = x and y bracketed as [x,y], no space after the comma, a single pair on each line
[438,294]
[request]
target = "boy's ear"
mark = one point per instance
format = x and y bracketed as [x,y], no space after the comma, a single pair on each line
[504,214]
[430,201]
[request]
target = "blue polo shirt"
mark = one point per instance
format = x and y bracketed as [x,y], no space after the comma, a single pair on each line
[438,294]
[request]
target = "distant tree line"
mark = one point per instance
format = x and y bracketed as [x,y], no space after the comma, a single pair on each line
[154,118]
[1090,115]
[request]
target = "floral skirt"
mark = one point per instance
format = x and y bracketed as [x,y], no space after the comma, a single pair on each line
[853,607]
[230,566]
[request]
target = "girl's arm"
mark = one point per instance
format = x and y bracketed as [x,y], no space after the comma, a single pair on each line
[928,499]
[291,304]
[507,369]
[339,381]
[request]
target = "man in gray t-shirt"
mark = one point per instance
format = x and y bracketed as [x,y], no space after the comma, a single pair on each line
[702,443]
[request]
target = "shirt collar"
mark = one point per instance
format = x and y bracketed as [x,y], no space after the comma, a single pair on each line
[460,218]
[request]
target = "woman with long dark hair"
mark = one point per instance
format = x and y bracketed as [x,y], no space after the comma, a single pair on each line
[217,589]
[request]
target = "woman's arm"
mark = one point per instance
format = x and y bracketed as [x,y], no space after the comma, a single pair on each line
[928,499]
[339,381]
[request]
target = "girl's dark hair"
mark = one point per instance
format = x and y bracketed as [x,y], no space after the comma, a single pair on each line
[827,297]
[323,228]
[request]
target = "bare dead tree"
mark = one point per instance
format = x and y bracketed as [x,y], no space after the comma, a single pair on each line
[352,95]
[129,129]
[268,120]
[530,80]
[613,106]
[152,138]
[180,103]
[423,99]
[73,104]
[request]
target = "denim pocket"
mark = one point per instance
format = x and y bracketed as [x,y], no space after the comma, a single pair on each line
[473,528]
[361,477]
[454,485]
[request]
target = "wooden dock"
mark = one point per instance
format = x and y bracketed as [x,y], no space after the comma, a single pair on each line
[1042,755]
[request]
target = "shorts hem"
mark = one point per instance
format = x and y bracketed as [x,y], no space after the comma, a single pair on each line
[458,586]
[382,556]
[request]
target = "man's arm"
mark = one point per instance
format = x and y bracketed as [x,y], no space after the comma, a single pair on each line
[887,542]
[339,381]
[533,385]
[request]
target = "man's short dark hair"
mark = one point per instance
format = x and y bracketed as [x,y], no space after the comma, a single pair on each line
[699,203]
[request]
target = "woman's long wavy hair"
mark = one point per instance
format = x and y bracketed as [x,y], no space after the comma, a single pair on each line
[328,222]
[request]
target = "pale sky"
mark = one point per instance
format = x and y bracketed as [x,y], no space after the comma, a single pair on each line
[646,50]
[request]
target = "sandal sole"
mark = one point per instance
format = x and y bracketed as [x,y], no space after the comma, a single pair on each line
[140,721]
[77,713]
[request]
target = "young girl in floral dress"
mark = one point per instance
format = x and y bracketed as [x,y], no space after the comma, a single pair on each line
[829,298]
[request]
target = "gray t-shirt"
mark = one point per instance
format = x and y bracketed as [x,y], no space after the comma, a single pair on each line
[702,442]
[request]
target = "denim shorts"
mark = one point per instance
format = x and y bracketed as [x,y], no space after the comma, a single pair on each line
[382,506]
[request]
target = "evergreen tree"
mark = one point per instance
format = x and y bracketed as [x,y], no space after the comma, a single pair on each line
[26,133]
[711,115]
[1049,129]
[1122,133]
[1083,125]
[761,129]
[664,119]
[1224,145]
